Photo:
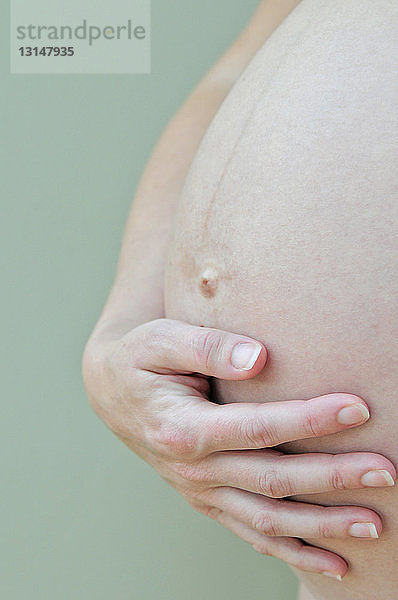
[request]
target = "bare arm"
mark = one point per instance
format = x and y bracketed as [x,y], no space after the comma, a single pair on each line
[147,376]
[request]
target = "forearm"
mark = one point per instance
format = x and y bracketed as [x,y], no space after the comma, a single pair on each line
[137,292]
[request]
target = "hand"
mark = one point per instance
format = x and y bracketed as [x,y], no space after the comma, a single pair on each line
[150,386]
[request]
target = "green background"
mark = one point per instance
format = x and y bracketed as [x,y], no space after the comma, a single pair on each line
[82,517]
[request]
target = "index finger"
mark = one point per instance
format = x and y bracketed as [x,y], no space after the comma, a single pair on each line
[243,426]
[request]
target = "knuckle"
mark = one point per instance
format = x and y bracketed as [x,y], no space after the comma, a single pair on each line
[271,484]
[175,441]
[212,512]
[264,522]
[257,433]
[153,386]
[156,336]
[262,547]
[325,530]
[207,348]
[312,424]
[190,472]
[337,476]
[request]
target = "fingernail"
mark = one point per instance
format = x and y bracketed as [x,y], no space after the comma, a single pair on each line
[245,355]
[353,414]
[378,478]
[334,575]
[363,530]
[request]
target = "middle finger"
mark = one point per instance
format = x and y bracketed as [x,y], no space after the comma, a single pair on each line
[278,475]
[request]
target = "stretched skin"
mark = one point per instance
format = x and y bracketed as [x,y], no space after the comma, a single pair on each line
[287,231]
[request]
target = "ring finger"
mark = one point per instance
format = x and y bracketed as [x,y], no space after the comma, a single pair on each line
[298,519]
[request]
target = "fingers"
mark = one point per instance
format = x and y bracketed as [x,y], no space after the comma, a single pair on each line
[278,475]
[290,550]
[167,345]
[240,426]
[286,518]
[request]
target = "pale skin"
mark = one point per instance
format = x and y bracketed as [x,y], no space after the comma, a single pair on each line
[138,366]
[287,231]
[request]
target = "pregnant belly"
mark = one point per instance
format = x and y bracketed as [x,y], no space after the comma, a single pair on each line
[287,231]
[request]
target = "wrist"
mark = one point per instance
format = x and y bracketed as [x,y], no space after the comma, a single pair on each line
[115,327]
[127,307]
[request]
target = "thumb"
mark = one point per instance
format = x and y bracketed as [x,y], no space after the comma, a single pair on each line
[167,345]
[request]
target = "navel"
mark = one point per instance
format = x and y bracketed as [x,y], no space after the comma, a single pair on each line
[208,282]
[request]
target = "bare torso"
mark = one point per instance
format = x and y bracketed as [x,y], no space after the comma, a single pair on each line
[289,210]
